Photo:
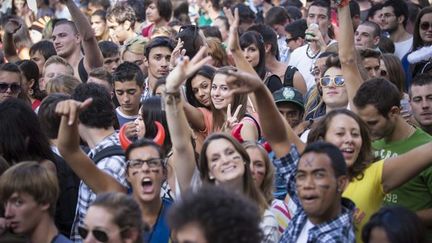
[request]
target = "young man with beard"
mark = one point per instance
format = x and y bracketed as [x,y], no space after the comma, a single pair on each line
[420,94]
[157,60]
[29,194]
[377,102]
[67,38]
[394,19]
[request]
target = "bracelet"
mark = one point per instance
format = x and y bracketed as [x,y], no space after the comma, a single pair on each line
[172,97]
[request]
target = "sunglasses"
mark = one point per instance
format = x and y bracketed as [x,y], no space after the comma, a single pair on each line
[425,25]
[15,88]
[290,39]
[337,81]
[97,234]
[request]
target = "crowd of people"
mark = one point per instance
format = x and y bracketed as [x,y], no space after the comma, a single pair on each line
[216,121]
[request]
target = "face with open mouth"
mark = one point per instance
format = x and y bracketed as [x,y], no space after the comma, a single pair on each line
[224,161]
[317,186]
[344,132]
[145,173]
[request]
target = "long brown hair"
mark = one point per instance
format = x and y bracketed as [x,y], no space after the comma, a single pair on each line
[249,187]
[319,130]
[267,184]
[238,99]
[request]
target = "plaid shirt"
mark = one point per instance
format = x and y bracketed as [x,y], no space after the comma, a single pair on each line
[338,230]
[114,166]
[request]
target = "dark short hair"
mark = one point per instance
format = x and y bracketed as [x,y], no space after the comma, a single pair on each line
[10,67]
[380,93]
[101,13]
[337,160]
[297,28]
[368,53]
[322,4]
[108,48]
[57,22]
[354,8]
[192,40]
[222,216]
[400,8]
[376,28]
[399,224]
[268,34]
[276,15]
[128,71]
[100,114]
[102,74]
[141,143]
[165,8]
[420,80]
[44,47]
[50,121]
[212,31]
[159,41]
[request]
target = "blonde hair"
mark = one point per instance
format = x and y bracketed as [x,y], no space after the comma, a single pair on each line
[59,60]
[217,52]
[135,45]
[62,83]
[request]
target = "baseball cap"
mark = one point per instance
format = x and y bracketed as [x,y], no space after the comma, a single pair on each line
[289,94]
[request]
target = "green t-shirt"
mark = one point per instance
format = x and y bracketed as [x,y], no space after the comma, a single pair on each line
[416,194]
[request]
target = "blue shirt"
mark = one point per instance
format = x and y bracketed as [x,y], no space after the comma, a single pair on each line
[160,233]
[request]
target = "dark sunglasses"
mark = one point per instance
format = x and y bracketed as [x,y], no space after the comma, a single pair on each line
[15,88]
[425,25]
[97,234]
[337,81]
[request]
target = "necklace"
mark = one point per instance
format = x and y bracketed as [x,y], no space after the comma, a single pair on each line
[309,55]
[156,223]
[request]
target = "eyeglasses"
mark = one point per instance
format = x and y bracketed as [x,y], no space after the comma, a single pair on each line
[99,235]
[425,25]
[15,88]
[337,81]
[138,163]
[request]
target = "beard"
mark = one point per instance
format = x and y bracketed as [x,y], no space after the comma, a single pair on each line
[391,29]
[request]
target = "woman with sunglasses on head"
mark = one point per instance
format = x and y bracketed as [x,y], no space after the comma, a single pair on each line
[112,217]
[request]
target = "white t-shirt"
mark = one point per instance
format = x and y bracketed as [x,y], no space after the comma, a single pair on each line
[303,237]
[403,47]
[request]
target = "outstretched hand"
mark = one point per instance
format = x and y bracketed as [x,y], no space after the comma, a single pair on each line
[185,68]
[241,82]
[233,20]
[177,53]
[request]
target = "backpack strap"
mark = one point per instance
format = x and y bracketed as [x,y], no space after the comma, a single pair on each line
[108,152]
[289,76]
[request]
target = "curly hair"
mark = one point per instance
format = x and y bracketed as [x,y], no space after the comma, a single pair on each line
[319,130]
[222,216]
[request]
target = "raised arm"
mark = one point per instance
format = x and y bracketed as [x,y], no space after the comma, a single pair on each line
[348,55]
[398,170]
[68,145]
[184,153]
[93,56]
[11,27]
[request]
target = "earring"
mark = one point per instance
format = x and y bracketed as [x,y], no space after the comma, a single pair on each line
[30,92]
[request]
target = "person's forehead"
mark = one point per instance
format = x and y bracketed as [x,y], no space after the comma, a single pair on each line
[388,9]
[160,50]
[362,28]
[9,77]
[313,160]
[317,10]
[61,28]
[421,90]
[371,60]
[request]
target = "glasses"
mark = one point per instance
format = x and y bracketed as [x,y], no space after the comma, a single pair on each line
[15,88]
[99,235]
[138,163]
[425,25]
[337,81]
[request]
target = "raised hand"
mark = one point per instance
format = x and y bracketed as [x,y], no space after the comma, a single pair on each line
[234,20]
[184,69]
[240,82]
[232,119]
[12,26]
[177,53]
[71,109]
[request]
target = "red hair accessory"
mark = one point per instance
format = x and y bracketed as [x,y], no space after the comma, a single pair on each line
[158,139]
